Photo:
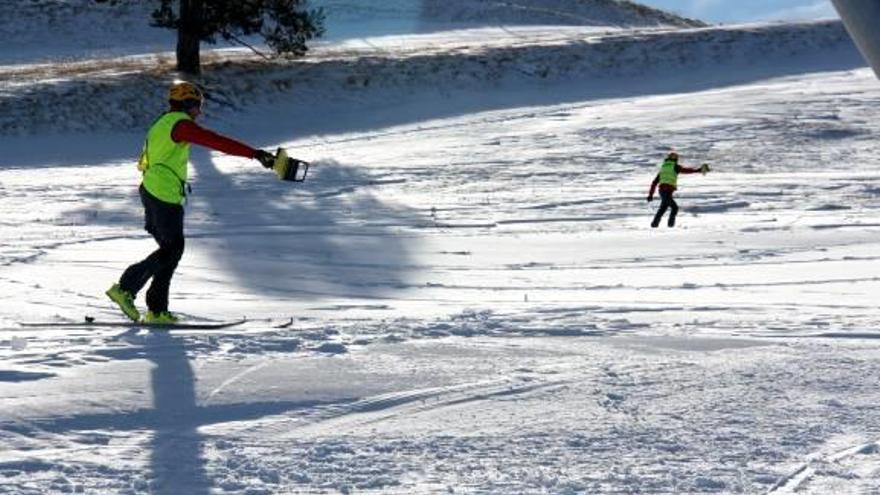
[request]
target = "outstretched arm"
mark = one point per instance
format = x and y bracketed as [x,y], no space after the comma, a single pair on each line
[681,169]
[190,132]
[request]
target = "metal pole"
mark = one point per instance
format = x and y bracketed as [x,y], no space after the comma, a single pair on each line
[862,21]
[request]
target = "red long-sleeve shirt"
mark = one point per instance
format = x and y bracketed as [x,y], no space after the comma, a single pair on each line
[679,169]
[190,132]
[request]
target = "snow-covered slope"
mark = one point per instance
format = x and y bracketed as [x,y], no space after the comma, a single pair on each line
[431,15]
[123,93]
[465,295]
[566,12]
[35,30]
[463,304]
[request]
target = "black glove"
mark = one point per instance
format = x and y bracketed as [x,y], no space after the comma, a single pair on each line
[265,158]
[650,198]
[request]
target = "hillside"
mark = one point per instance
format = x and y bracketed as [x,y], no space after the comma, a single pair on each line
[622,13]
[61,30]
[463,299]
[432,15]
[36,30]
[61,97]
[465,296]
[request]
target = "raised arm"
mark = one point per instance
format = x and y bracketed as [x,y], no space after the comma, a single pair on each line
[190,132]
[681,169]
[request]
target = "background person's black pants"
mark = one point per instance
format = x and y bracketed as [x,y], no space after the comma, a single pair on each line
[164,221]
[666,201]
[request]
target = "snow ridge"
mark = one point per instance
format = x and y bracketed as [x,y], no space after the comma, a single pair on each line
[64,98]
[565,12]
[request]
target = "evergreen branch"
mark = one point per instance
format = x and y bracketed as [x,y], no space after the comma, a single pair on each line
[229,36]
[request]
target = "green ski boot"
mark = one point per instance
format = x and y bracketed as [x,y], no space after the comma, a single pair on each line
[125,302]
[160,318]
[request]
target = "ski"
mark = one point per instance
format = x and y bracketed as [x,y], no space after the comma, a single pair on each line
[90,322]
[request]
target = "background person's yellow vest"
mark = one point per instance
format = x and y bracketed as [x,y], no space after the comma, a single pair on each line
[668,174]
[164,162]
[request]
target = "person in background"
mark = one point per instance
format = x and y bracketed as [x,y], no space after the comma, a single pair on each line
[667,179]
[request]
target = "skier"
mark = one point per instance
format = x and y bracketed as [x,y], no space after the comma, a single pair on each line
[668,179]
[163,163]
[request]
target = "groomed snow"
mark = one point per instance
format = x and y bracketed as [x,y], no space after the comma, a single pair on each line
[465,296]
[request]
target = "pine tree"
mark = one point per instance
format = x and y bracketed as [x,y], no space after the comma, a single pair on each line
[285,25]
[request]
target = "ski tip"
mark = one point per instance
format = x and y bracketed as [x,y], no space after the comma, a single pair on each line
[286,324]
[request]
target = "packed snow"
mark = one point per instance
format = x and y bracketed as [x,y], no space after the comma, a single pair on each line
[465,295]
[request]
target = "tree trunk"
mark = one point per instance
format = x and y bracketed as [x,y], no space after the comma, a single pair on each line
[189,37]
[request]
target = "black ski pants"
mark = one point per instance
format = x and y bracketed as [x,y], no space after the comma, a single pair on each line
[164,221]
[666,202]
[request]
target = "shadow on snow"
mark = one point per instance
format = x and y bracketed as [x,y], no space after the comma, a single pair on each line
[328,236]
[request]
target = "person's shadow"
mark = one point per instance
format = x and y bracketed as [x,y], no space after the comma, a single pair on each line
[176,460]
[177,464]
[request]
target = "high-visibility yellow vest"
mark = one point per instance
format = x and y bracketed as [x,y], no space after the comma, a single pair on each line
[668,175]
[164,162]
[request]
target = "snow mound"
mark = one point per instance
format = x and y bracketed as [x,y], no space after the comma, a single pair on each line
[565,12]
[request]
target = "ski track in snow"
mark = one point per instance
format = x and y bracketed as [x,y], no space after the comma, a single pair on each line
[468,303]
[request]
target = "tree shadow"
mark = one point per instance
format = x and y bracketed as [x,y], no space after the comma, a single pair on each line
[329,236]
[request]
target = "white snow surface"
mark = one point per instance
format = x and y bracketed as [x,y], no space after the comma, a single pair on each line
[465,295]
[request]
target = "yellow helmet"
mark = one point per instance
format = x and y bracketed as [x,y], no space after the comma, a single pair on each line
[182,91]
